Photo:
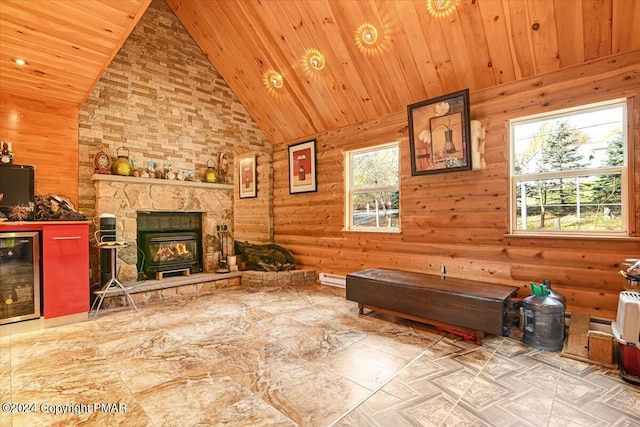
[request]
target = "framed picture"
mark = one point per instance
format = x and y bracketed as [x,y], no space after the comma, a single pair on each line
[439,134]
[6,155]
[302,167]
[247,174]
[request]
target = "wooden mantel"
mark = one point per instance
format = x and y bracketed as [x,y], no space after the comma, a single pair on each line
[153,181]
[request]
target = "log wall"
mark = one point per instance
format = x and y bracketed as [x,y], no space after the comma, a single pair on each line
[252,218]
[461,220]
[43,134]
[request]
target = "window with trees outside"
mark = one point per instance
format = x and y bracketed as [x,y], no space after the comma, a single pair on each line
[569,172]
[373,188]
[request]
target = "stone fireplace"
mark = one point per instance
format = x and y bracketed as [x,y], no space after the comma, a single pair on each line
[130,197]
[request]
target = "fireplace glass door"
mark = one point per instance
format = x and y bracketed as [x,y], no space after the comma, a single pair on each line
[171,251]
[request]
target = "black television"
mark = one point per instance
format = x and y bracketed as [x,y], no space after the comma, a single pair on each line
[17,186]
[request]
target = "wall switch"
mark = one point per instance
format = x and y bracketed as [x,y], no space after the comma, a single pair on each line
[443,270]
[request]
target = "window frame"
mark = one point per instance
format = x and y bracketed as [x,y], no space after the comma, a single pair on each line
[349,192]
[624,170]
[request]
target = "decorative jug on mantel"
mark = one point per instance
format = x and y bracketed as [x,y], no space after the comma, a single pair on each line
[122,165]
[211,174]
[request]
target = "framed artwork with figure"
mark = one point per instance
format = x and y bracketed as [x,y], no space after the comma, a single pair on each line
[302,167]
[247,173]
[439,134]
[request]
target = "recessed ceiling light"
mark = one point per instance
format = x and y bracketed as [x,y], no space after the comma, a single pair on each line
[314,59]
[366,34]
[19,61]
[273,79]
[317,62]
[441,8]
[370,40]
[276,80]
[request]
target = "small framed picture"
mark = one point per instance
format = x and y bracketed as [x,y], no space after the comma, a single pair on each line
[302,167]
[439,134]
[247,174]
[6,155]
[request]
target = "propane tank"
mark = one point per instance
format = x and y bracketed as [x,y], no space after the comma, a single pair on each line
[543,320]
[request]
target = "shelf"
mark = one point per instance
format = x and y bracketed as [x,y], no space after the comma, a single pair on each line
[154,181]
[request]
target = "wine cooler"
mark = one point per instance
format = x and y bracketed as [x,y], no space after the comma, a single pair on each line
[19,276]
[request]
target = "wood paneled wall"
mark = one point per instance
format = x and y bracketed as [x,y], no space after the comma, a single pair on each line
[461,220]
[43,134]
[252,217]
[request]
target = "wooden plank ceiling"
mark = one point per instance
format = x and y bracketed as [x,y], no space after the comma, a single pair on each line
[67,44]
[483,43]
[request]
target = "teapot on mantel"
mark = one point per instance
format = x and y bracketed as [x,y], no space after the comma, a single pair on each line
[211,174]
[122,165]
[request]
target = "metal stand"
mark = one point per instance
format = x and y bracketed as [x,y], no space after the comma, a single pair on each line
[113,284]
[223,233]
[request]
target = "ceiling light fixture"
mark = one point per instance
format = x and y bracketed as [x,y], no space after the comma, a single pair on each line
[273,80]
[441,8]
[276,80]
[19,61]
[314,60]
[366,35]
[317,61]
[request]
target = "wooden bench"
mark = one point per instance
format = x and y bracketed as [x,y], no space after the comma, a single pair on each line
[466,306]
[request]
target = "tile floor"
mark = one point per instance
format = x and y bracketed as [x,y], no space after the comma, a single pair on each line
[292,356]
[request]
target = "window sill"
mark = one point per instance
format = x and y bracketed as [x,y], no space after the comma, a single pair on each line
[385,231]
[572,237]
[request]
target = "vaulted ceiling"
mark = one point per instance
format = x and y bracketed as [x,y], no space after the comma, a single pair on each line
[416,56]
[67,44]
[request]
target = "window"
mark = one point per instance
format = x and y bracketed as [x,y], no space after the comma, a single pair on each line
[569,172]
[373,189]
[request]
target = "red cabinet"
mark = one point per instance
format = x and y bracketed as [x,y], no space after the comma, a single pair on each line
[65,265]
[65,269]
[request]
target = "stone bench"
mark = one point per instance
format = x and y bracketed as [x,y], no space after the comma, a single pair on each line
[466,306]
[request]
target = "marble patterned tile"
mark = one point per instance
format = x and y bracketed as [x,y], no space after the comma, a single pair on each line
[366,366]
[444,348]
[577,391]
[533,407]
[484,392]
[315,408]
[454,383]
[501,367]
[415,381]
[541,377]
[429,412]
[565,414]
[295,356]
[405,343]
[202,398]
[476,359]
[625,399]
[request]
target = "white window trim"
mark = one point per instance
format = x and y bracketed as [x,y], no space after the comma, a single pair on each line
[348,219]
[623,170]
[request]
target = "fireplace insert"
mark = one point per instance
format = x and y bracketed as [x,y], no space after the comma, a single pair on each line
[169,242]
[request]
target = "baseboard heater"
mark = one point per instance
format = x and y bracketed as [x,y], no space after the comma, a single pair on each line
[333,280]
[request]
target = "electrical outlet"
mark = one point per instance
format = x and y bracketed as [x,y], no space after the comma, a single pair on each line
[443,270]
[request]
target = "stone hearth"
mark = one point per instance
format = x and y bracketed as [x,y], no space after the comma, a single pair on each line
[151,291]
[125,196]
